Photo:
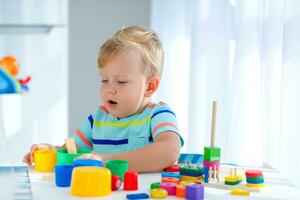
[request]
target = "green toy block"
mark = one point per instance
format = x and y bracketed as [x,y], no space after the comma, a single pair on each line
[212,153]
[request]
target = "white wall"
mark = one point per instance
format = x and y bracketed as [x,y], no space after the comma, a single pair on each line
[91,23]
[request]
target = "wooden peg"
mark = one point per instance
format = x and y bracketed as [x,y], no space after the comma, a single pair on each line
[71,146]
[213,124]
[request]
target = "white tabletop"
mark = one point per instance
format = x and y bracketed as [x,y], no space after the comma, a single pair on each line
[277,188]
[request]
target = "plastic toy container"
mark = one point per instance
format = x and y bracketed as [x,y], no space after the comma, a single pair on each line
[45,160]
[117,167]
[91,182]
[63,174]
[63,158]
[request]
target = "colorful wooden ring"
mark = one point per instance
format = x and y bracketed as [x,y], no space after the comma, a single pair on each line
[158,193]
[170,187]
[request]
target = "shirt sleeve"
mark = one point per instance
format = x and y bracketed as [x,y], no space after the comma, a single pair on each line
[83,135]
[164,119]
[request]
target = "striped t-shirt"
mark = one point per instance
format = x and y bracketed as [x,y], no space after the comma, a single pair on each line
[106,134]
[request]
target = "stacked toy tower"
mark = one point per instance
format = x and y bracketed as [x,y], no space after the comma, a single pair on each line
[212,154]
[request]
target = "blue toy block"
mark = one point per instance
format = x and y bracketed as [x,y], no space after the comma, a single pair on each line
[170,174]
[205,174]
[137,196]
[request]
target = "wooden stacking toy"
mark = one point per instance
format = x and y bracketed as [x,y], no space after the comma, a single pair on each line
[255,178]
[233,178]
[212,154]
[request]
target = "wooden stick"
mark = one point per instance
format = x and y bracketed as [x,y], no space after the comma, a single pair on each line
[71,146]
[213,124]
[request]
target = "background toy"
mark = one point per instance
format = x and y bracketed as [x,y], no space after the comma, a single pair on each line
[137,196]
[71,146]
[155,185]
[194,192]
[180,191]
[131,180]
[169,187]
[239,192]
[9,68]
[158,193]
[212,154]
[190,158]
[172,168]
[254,178]
[233,178]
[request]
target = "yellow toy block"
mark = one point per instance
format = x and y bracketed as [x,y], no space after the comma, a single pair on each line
[239,192]
[191,178]
[233,178]
[261,185]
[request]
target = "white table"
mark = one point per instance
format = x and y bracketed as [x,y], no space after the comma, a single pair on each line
[277,188]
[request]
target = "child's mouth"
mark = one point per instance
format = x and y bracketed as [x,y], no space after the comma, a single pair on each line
[111,102]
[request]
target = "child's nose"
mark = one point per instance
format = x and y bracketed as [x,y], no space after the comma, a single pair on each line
[111,89]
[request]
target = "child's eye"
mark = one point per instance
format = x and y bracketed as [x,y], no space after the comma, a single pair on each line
[122,82]
[104,81]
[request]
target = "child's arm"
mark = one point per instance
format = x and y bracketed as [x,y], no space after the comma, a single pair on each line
[154,157]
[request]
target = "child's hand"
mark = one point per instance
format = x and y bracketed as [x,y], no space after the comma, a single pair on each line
[29,158]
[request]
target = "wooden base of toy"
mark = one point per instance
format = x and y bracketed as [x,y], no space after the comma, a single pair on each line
[219,185]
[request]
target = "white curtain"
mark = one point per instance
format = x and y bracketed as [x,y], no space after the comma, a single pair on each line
[243,54]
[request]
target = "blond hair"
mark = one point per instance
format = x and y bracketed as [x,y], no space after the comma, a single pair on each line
[135,38]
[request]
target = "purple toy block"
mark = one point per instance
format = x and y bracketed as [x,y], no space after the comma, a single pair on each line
[194,192]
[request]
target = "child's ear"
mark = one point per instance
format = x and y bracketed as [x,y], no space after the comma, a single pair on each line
[152,86]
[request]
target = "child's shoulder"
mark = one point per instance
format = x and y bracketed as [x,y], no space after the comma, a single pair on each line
[156,107]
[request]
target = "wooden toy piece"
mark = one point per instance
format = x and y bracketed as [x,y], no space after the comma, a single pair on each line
[172,168]
[137,196]
[191,170]
[233,178]
[158,193]
[194,192]
[254,178]
[170,180]
[253,173]
[239,192]
[155,185]
[213,124]
[169,187]
[170,174]
[184,183]
[180,191]
[212,154]
[261,185]
[71,146]
[220,185]
[191,178]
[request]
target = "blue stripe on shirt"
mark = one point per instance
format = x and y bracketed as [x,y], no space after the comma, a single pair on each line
[110,142]
[91,121]
[162,111]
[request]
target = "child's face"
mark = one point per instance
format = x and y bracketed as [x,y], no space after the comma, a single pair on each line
[123,84]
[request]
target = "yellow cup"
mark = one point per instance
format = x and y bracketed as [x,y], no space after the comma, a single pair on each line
[91,181]
[45,160]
